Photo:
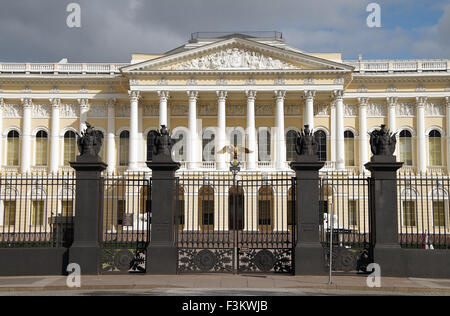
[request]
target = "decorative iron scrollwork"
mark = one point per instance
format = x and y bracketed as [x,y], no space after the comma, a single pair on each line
[266,260]
[205,260]
[123,260]
[347,259]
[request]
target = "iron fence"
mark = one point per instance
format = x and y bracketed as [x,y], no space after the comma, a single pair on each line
[423,211]
[126,223]
[37,210]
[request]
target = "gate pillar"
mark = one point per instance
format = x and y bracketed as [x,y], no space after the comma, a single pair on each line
[162,250]
[383,203]
[309,253]
[85,250]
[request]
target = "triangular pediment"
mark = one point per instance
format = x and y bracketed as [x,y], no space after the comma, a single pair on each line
[236,54]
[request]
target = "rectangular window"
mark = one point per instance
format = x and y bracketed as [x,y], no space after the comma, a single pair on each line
[121,207]
[67,208]
[9,213]
[438,214]
[353,212]
[406,150]
[409,213]
[37,218]
[123,153]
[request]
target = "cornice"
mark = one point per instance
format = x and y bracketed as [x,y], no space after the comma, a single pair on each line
[61,81]
[397,78]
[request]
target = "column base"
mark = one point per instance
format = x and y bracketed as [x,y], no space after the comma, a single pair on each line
[162,260]
[310,259]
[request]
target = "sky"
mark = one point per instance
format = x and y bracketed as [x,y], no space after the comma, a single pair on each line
[111,30]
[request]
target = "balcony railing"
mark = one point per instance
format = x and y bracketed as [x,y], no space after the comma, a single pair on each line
[52,68]
[391,66]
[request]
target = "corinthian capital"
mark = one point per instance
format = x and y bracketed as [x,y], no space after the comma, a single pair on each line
[27,102]
[338,94]
[134,94]
[192,95]
[447,100]
[363,101]
[83,103]
[111,102]
[251,94]
[163,95]
[310,94]
[222,94]
[280,94]
[421,101]
[56,102]
[392,101]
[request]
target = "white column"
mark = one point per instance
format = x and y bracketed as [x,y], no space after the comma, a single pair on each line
[333,131]
[363,144]
[421,147]
[392,105]
[308,117]
[221,129]
[111,137]
[54,136]
[163,97]
[280,144]
[340,149]
[447,101]
[251,130]
[2,103]
[133,150]
[84,106]
[26,136]
[192,125]
[140,137]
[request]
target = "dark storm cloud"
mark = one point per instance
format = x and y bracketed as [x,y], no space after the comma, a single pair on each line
[111,30]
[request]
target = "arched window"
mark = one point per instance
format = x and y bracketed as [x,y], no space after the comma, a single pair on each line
[179,147]
[70,147]
[150,143]
[237,139]
[236,208]
[435,150]
[124,143]
[265,208]
[206,208]
[349,145]
[12,149]
[41,148]
[321,138]
[290,145]
[405,146]
[264,145]
[208,145]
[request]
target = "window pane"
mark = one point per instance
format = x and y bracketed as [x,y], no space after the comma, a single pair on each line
[120,211]
[353,213]
[38,213]
[438,214]
[435,151]
[409,213]
[70,145]
[349,151]
[9,213]
[208,146]
[406,148]
[67,208]
[264,145]
[321,138]
[290,145]
[123,148]
[12,156]
[41,151]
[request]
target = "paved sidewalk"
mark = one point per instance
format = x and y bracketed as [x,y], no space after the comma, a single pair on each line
[226,281]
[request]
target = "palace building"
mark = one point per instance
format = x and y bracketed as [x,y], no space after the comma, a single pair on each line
[253,90]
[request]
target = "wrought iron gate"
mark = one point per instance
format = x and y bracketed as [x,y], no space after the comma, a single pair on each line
[235,225]
[126,224]
[345,219]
